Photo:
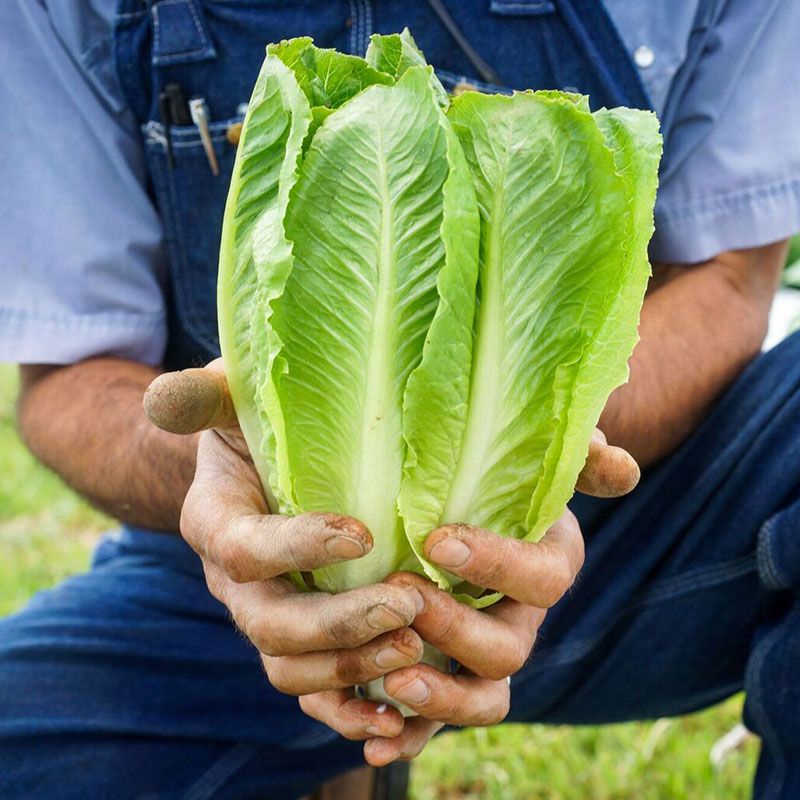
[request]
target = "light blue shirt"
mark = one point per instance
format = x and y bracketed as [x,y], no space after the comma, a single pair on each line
[81,244]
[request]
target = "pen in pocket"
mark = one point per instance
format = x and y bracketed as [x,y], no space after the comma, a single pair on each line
[200,116]
[173,110]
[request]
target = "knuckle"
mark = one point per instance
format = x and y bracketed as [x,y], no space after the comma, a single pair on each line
[259,631]
[490,571]
[299,555]
[492,713]
[449,630]
[337,628]
[280,677]
[520,652]
[512,660]
[500,712]
[554,584]
[307,705]
[190,524]
[232,556]
[446,708]
[265,643]
[215,582]
[349,667]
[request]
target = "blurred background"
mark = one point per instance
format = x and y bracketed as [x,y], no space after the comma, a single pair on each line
[47,533]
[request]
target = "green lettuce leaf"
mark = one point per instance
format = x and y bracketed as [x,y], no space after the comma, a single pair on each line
[562,274]
[437,392]
[255,260]
[394,53]
[365,219]
[327,78]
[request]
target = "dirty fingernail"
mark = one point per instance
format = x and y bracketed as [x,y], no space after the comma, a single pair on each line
[413,693]
[382,618]
[390,658]
[450,553]
[344,547]
[416,596]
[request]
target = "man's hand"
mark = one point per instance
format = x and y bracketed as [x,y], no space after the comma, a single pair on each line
[318,646]
[309,642]
[492,644]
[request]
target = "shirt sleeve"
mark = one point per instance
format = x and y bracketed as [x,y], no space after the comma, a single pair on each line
[731,175]
[80,241]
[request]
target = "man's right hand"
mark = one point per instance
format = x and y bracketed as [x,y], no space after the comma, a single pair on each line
[309,642]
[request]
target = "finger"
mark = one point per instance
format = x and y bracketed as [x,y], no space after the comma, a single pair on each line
[339,669]
[253,547]
[534,573]
[493,643]
[409,744]
[191,400]
[609,471]
[351,717]
[453,699]
[280,621]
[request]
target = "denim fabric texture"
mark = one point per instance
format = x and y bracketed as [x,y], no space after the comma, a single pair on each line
[130,681]
[572,44]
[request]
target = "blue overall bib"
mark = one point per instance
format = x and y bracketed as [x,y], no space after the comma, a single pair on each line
[130,681]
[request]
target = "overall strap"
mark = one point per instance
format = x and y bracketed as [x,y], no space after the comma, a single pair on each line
[687,137]
[606,52]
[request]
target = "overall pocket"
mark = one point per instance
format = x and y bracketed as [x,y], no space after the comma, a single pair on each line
[191,202]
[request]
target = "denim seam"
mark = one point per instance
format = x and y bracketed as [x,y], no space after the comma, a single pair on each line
[534,6]
[661,590]
[218,127]
[219,772]
[771,575]
[197,330]
[172,57]
[572,651]
[178,254]
[220,137]
[367,24]
[354,23]
[767,732]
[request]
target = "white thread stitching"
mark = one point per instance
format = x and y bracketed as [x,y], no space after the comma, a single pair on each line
[168,58]
[367,26]
[353,26]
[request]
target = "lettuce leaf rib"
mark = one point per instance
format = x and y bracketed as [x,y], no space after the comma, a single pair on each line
[365,218]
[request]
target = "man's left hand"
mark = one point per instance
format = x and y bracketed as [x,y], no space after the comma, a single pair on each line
[492,644]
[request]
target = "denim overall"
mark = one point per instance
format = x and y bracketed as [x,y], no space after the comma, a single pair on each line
[131,679]
[214,50]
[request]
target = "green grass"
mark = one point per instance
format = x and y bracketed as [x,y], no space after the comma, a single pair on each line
[47,533]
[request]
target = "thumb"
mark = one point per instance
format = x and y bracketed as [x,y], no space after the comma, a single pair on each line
[191,400]
[609,471]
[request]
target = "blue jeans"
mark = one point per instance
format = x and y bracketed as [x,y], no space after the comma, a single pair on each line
[129,681]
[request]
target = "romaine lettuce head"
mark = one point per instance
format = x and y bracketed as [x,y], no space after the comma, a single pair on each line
[424,305]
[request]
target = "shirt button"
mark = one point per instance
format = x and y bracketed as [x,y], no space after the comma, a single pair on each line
[644,56]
